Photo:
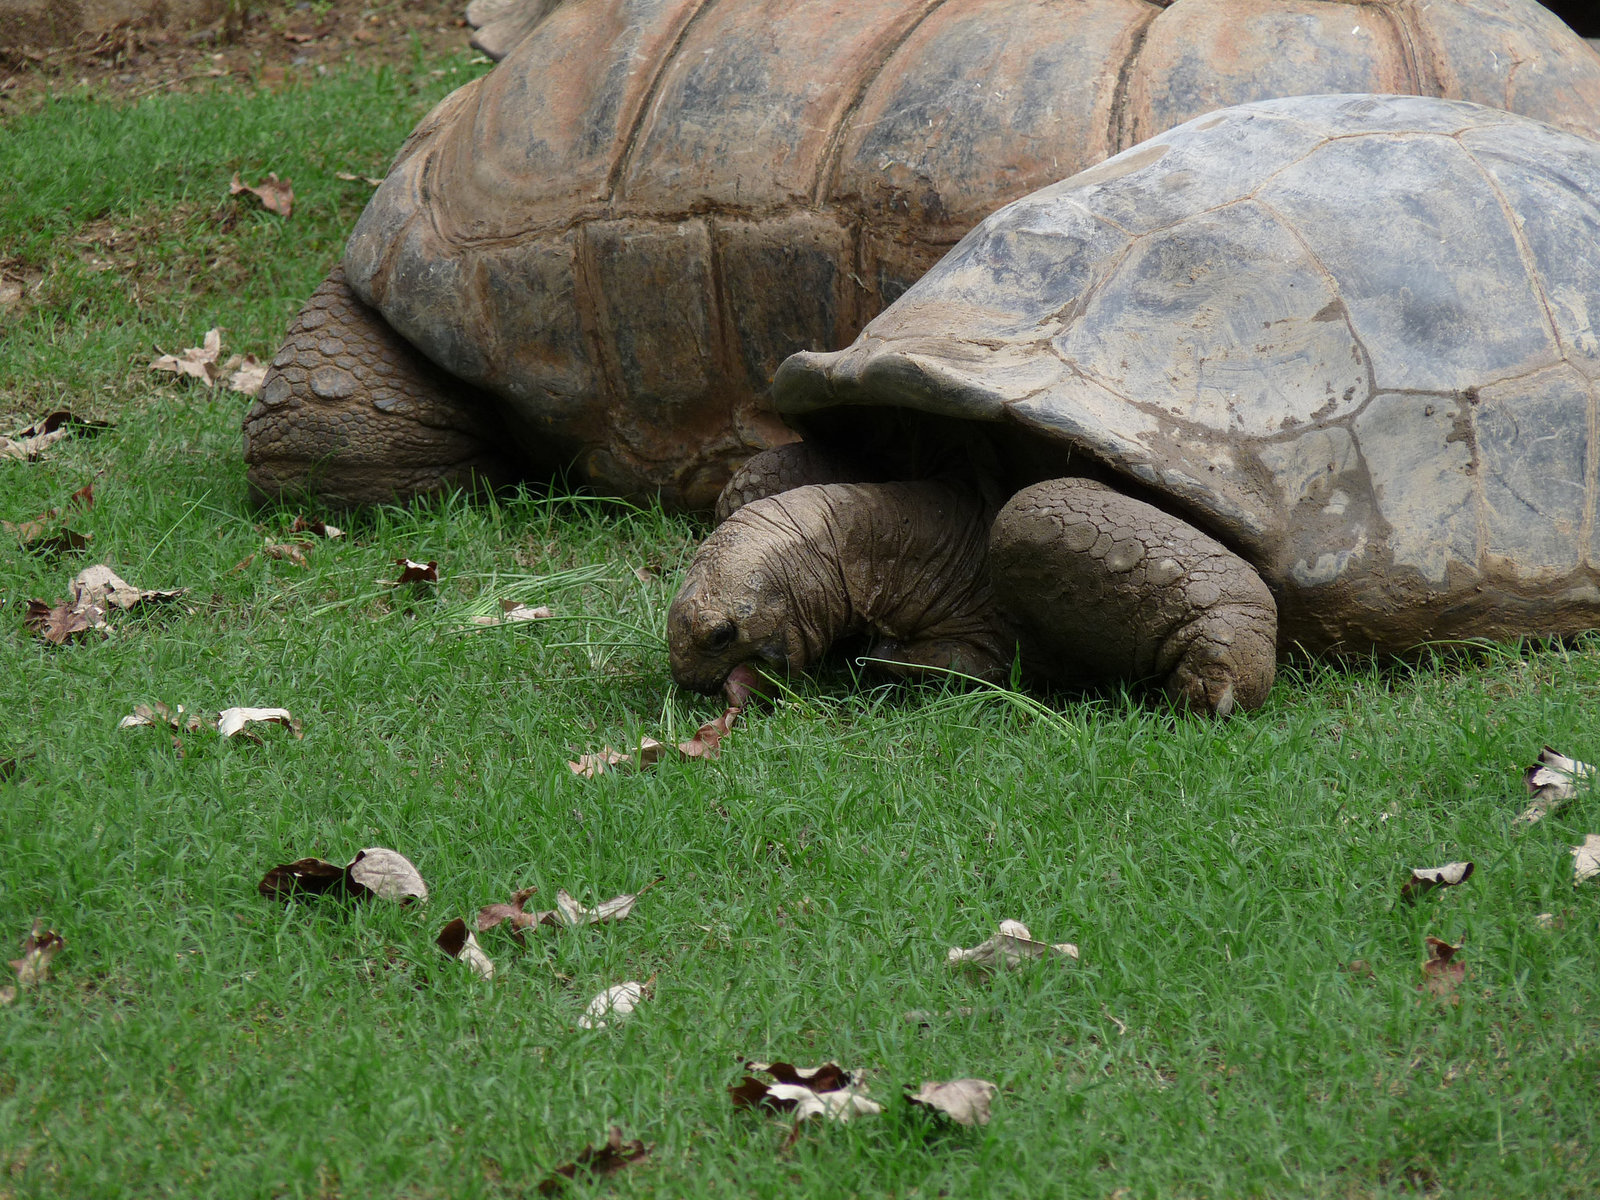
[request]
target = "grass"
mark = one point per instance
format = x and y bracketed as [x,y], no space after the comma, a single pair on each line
[196,1039]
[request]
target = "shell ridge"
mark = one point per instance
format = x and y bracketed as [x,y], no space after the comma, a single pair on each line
[1530,266]
[647,101]
[828,160]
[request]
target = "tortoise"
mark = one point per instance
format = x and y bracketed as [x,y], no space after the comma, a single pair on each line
[594,257]
[1317,372]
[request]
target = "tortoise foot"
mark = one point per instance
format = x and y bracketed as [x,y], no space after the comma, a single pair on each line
[352,414]
[1104,588]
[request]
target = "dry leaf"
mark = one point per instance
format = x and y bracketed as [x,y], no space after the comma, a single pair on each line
[609,1159]
[29,444]
[375,871]
[1359,968]
[456,940]
[572,913]
[1552,780]
[100,586]
[40,535]
[1586,859]
[416,572]
[293,552]
[707,741]
[246,373]
[615,1002]
[806,1092]
[1011,946]
[275,194]
[309,875]
[1425,879]
[349,178]
[388,875]
[316,528]
[926,1016]
[234,720]
[1441,974]
[513,611]
[964,1101]
[159,714]
[63,621]
[39,946]
[491,915]
[590,765]
[644,574]
[198,362]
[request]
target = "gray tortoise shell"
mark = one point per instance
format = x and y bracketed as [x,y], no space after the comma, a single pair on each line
[1353,336]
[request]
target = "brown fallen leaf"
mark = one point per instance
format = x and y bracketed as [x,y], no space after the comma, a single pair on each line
[644,574]
[294,552]
[1359,968]
[159,715]
[1425,879]
[824,1091]
[415,572]
[197,362]
[614,1156]
[41,535]
[1586,859]
[315,527]
[63,621]
[1441,973]
[349,178]
[1011,946]
[245,373]
[456,940]
[1552,781]
[573,913]
[706,744]
[375,871]
[276,195]
[516,912]
[30,443]
[707,740]
[232,721]
[598,763]
[39,946]
[615,1003]
[964,1101]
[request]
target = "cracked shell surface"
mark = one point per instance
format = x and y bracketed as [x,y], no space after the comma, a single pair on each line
[1352,337]
[623,229]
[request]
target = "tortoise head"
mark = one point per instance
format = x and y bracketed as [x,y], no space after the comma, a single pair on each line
[734,607]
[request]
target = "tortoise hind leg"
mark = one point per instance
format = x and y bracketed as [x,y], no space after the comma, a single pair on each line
[351,413]
[1102,587]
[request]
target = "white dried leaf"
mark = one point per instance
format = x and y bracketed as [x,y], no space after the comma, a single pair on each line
[388,874]
[1425,879]
[615,1002]
[1011,946]
[233,720]
[199,362]
[456,940]
[964,1101]
[99,586]
[1552,781]
[838,1106]
[574,913]
[1586,859]
[247,374]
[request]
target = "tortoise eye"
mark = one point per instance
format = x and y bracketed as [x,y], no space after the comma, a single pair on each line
[721,635]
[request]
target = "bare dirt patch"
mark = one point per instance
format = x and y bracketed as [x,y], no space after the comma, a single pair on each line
[150,52]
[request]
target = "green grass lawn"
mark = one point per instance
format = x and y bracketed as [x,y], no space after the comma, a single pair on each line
[195,1039]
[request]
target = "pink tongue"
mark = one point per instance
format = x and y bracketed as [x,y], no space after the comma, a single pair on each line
[743,682]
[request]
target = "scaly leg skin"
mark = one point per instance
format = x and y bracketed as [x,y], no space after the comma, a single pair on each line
[351,413]
[784,468]
[1103,587]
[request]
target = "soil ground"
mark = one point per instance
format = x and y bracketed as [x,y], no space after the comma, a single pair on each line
[268,46]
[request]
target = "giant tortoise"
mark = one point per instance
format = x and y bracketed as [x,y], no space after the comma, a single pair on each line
[604,248]
[1319,372]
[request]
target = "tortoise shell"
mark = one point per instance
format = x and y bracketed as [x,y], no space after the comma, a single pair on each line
[624,228]
[1356,338]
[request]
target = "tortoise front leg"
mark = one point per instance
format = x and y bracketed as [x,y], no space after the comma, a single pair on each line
[1103,587]
[352,413]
